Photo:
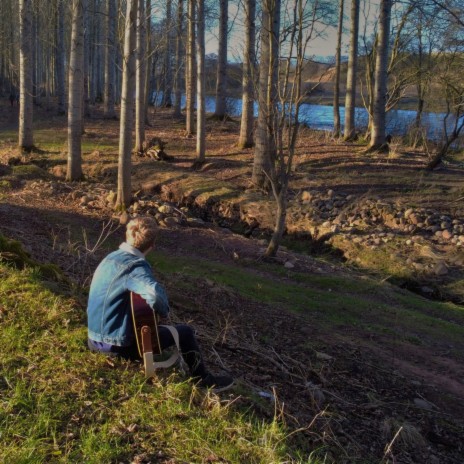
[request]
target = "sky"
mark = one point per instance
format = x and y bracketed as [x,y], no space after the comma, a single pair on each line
[322,47]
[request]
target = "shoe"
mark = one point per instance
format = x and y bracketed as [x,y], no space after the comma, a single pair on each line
[217,383]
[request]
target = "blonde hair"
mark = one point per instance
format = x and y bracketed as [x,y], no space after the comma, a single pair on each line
[141,232]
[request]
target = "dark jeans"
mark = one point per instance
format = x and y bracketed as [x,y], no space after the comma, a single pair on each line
[188,347]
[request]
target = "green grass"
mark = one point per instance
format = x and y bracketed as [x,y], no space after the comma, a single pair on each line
[334,300]
[61,404]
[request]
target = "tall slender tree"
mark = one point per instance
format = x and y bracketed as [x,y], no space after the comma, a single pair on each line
[179,60]
[110,55]
[378,134]
[350,98]
[249,67]
[190,71]
[26,140]
[338,59]
[140,78]
[201,94]
[167,78]
[221,77]
[265,145]
[76,84]
[127,107]
[60,57]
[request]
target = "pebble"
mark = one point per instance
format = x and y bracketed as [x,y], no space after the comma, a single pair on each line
[440,269]
[166,209]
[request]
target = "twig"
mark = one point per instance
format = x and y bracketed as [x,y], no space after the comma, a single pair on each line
[389,447]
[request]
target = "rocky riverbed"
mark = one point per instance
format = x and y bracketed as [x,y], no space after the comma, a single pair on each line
[420,246]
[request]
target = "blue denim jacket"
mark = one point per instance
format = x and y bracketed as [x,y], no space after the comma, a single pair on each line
[108,310]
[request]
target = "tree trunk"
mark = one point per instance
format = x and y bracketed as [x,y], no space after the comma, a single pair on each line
[265,145]
[201,97]
[76,83]
[25,139]
[190,71]
[247,120]
[148,60]
[127,108]
[338,56]
[179,63]
[350,99]
[167,87]
[60,58]
[378,134]
[110,54]
[279,228]
[86,94]
[221,79]
[140,79]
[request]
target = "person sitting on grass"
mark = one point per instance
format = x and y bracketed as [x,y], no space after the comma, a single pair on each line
[110,326]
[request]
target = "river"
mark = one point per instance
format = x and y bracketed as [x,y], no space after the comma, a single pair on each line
[321,117]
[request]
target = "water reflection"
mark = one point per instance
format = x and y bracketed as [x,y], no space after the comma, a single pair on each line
[321,117]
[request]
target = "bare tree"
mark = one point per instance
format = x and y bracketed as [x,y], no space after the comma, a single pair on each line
[167,85]
[201,94]
[452,86]
[378,134]
[140,78]
[190,70]
[127,107]
[26,140]
[60,57]
[350,98]
[338,56]
[110,54]
[76,84]
[265,148]
[221,77]
[247,120]
[179,60]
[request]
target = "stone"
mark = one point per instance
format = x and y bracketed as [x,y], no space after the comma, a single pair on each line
[166,209]
[326,224]
[447,235]
[195,222]
[323,356]
[124,218]
[413,219]
[111,198]
[306,196]
[440,269]
[84,200]
[409,242]
[289,265]
[408,212]
[423,404]
[330,193]
[171,221]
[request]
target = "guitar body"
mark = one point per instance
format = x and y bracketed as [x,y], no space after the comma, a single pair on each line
[144,316]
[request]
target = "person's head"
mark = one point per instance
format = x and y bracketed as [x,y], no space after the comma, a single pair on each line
[141,233]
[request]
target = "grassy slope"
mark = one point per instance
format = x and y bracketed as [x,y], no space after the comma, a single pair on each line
[62,404]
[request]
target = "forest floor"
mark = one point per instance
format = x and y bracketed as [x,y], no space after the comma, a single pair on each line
[364,369]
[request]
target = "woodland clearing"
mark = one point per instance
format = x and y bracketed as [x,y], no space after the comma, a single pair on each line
[323,338]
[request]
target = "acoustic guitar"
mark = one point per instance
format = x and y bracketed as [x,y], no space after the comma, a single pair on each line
[146,334]
[144,317]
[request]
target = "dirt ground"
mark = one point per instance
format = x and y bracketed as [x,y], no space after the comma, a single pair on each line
[348,393]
